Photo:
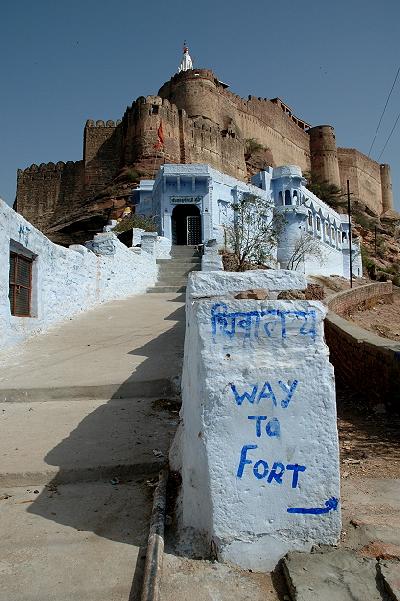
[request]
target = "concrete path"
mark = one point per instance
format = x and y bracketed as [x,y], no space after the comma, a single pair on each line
[74,542]
[83,440]
[86,423]
[125,348]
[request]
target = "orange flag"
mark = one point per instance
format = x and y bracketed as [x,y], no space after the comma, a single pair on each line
[160,137]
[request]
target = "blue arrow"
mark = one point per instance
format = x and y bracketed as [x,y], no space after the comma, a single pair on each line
[330,505]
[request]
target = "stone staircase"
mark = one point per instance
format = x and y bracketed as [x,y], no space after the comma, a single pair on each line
[173,272]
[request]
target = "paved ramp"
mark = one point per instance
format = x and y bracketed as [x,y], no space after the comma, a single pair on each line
[85,426]
[121,348]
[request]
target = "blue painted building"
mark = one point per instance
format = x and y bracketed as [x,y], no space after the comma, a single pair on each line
[192,204]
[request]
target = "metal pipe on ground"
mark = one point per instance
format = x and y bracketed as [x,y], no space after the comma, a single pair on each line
[155,542]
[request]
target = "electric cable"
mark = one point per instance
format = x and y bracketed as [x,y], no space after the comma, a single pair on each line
[390,135]
[384,110]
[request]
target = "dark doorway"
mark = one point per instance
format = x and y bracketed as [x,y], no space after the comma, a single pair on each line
[186,225]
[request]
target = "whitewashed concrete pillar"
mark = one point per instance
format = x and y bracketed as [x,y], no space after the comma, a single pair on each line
[258,446]
[149,240]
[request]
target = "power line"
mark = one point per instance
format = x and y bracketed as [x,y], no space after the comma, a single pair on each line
[384,110]
[390,135]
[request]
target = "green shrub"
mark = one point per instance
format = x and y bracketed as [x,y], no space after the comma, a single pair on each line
[252,146]
[363,220]
[136,221]
[329,193]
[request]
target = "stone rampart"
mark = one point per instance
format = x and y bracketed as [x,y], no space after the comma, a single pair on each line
[366,362]
[101,154]
[201,95]
[364,176]
[203,122]
[48,193]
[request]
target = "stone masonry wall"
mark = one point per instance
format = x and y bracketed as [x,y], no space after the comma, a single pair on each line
[361,359]
[49,193]
[365,296]
[203,122]
[364,176]
[101,154]
[200,95]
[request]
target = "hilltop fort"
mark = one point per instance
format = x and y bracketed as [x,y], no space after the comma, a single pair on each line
[202,122]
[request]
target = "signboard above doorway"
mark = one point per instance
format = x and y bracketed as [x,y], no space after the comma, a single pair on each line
[185,200]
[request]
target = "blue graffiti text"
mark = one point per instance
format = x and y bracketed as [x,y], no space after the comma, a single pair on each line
[261,469]
[258,392]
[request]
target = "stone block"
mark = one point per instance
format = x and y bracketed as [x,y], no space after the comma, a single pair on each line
[213,284]
[336,575]
[257,448]
[103,244]
[390,572]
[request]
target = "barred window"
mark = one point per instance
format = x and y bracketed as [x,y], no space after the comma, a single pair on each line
[20,288]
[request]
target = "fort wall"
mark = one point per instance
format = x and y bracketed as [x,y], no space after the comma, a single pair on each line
[140,127]
[202,122]
[49,192]
[201,96]
[101,154]
[261,119]
[364,176]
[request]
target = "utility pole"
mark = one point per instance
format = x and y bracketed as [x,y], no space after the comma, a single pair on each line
[349,214]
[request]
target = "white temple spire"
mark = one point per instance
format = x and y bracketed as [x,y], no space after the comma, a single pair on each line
[186,62]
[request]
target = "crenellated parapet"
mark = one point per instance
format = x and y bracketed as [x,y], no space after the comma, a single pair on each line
[48,168]
[101,123]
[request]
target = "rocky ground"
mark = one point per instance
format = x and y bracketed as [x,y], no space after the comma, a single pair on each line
[366,565]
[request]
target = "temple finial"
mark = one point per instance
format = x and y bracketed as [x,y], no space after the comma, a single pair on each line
[186,62]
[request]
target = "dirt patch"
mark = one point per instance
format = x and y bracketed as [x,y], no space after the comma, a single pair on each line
[171,405]
[369,441]
[382,319]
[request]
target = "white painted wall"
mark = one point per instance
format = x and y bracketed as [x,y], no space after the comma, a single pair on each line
[65,281]
[240,506]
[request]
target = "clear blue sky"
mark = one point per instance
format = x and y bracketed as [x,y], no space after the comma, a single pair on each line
[64,62]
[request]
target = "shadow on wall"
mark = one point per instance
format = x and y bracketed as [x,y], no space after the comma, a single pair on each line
[127,430]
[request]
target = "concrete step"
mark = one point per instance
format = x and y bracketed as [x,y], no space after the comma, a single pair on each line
[83,440]
[172,282]
[181,249]
[55,542]
[128,389]
[180,268]
[167,289]
[183,275]
[179,261]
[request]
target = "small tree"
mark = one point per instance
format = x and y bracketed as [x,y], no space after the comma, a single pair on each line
[251,146]
[306,247]
[148,224]
[329,193]
[254,230]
